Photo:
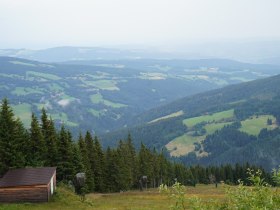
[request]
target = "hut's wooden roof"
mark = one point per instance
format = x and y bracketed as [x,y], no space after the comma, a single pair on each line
[27,177]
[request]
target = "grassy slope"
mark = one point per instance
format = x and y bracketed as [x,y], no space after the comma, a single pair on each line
[176,114]
[23,111]
[254,124]
[184,144]
[98,98]
[190,122]
[151,199]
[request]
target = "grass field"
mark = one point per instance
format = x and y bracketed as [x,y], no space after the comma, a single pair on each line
[63,118]
[32,74]
[98,98]
[55,87]
[102,84]
[23,111]
[175,114]
[133,200]
[97,113]
[14,76]
[23,91]
[152,76]
[255,124]
[190,122]
[212,127]
[183,145]
[23,63]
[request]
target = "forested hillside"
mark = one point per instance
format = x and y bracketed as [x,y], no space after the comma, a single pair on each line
[238,123]
[107,170]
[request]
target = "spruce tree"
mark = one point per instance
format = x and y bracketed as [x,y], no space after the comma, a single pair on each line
[144,162]
[124,180]
[99,166]
[22,141]
[50,139]
[38,148]
[11,154]
[132,161]
[78,165]
[65,168]
[86,163]
[112,172]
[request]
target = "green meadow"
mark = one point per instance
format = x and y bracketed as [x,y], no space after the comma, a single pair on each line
[184,144]
[23,111]
[32,74]
[98,99]
[23,91]
[151,199]
[190,122]
[255,124]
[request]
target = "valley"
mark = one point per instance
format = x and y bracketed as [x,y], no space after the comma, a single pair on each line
[107,95]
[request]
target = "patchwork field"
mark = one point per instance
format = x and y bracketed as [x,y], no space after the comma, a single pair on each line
[185,144]
[98,85]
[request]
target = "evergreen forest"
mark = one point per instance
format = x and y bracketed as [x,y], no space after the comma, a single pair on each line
[107,170]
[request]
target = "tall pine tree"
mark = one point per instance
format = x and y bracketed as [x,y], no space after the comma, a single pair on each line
[50,138]
[65,168]
[37,145]
[86,163]
[11,154]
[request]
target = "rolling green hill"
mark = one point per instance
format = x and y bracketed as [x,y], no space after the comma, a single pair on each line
[210,125]
[106,95]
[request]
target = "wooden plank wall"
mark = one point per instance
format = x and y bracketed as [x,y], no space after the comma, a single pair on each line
[24,194]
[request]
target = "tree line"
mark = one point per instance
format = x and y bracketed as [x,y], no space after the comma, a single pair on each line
[109,170]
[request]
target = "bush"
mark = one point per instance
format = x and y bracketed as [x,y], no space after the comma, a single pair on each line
[260,195]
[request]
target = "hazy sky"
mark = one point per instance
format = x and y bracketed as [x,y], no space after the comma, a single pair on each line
[48,23]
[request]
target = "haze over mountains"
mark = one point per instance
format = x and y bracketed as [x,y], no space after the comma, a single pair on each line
[250,51]
[107,94]
[110,92]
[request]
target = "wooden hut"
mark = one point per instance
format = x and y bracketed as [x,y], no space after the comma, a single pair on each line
[28,185]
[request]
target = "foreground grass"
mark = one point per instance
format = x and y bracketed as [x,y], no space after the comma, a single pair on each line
[135,200]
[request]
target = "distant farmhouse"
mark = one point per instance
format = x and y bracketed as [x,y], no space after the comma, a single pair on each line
[28,185]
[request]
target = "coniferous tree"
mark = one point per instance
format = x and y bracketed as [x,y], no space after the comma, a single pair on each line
[11,154]
[124,175]
[112,174]
[144,162]
[155,169]
[50,138]
[90,150]
[78,165]
[98,166]
[86,163]
[38,148]
[65,168]
[22,141]
[132,162]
